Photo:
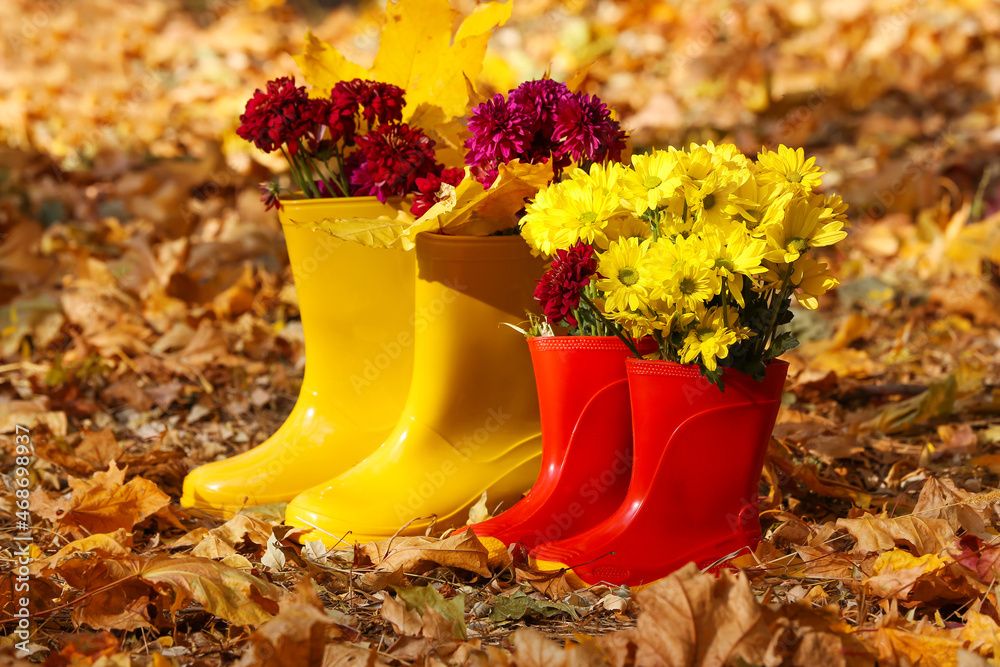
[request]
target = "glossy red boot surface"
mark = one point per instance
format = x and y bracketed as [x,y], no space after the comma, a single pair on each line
[586,441]
[693,493]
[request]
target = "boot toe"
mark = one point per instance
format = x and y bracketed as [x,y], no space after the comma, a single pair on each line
[217,486]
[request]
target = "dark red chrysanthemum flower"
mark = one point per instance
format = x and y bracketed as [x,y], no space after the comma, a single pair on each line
[559,288]
[377,101]
[279,116]
[389,160]
[501,132]
[429,188]
[341,118]
[585,130]
[382,102]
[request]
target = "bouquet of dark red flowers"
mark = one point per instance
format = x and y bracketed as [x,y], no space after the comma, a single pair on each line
[537,122]
[351,144]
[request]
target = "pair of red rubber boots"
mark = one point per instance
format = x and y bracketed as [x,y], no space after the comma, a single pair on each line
[645,464]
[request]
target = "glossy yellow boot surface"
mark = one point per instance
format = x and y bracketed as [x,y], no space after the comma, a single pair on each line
[471,420]
[356,305]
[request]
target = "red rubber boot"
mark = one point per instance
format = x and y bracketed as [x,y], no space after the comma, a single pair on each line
[586,442]
[693,494]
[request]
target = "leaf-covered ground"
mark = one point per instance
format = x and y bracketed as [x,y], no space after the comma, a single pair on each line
[149,324]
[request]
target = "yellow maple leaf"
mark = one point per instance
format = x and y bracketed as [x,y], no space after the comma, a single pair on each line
[323,66]
[473,210]
[416,53]
[382,232]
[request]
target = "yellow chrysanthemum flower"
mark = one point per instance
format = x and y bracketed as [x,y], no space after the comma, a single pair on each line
[733,257]
[710,339]
[812,279]
[694,165]
[758,205]
[625,225]
[650,180]
[604,176]
[674,223]
[833,207]
[637,323]
[803,227]
[625,285]
[728,155]
[709,200]
[541,222]
[690,284]
[789,168]
[582,215]
[667,253]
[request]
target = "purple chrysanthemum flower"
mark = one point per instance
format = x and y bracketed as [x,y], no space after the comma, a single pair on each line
[585,130]
[539,100]
[500,133]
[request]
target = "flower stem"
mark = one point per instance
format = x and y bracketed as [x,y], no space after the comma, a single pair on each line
[773,326]
[342,171]
[294,169]
[618,332]
[725,302]
[308,187]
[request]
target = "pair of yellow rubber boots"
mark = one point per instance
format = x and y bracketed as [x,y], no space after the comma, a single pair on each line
[416,398]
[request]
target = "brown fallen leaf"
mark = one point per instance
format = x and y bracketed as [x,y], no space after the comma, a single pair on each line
[941,499]
[228,538]
[900,575]
[116,591]
[925,536]
[421,611]
[417,554]
[297,636]
[99,448]
[31,418]
[691,618]
[118,543]
[900,642]
[101,504]
[238,597]
[128,392]
[823,437]
[533,649]
[212,546]
[820,564]
[346,655]
[553,584]
[802,635]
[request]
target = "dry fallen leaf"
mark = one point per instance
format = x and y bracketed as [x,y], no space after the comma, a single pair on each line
[925,536]
[298,635]
[416,555]
[101,504]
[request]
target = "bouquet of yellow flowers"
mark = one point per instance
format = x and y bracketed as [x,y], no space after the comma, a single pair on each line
[701,248]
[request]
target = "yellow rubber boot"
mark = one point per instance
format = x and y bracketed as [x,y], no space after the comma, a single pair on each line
[356,305]
[471,420]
